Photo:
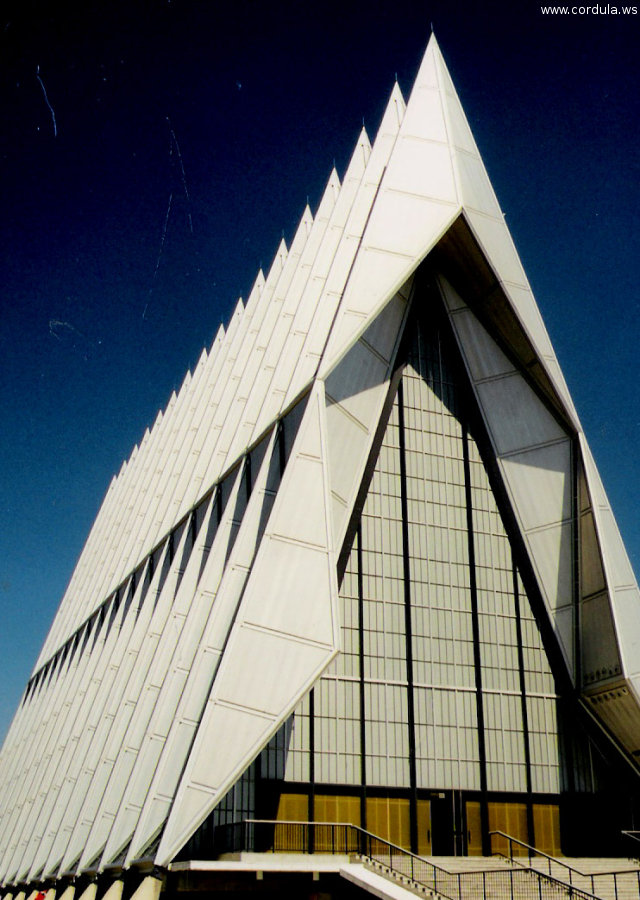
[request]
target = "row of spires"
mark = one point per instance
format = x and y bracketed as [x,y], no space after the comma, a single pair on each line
[117,542]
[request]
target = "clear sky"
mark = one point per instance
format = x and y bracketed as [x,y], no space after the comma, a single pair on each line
[153,154]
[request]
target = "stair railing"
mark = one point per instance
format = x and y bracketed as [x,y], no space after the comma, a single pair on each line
[514,883]
[571,871]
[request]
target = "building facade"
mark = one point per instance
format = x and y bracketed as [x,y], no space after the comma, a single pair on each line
[361,569]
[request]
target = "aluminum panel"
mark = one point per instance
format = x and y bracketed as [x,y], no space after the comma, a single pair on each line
[400,227]
[189,619]
[598,646]
[540,483]
[484,359]
[516,418]
[262,654]
[133,694]
[625,606]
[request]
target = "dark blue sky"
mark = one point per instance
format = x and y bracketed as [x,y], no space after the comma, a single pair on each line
[98,325]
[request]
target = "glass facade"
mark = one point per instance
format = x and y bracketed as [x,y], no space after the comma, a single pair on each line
[438,720]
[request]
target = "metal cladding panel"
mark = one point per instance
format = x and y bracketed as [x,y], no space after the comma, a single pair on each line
[103,513]
[72,782]
[189,486]
[618,573]
[273,331]
[96,588]
[315,313]
[145,528]
[626,605]
[598,646]
[266,668]
[89,737]
[354,387]
[135,683]
[346,253]
[179,644]
[592,579]
[85,564]
[207,432]
[535,457]
[355,393]
[435,142]
[165,515]
[499,250]
[140,501]
[193,449]
[70,614]
[285,341]
[407,173]
[243,376]
[224,390]
[618,709]
[484,359]
[213,638]
[541,483]
[516,418]
[551,549]
[475,186]
[417,199]
[68,698]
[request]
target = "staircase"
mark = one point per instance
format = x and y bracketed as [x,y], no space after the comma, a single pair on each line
[608,879]
[472,878]
[604,878]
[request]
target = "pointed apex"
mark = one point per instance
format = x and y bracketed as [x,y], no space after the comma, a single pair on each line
[393,114]
[396,94]
[260,280]
[427,72]
[363,139]
[329,196]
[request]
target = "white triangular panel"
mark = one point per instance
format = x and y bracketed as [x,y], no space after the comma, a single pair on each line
[280,659]
[204,654]
[149,654]
[246,399]
[348,250]
[356,390]
[117,709]
[285,337]
[623,590]
[313,316]
[435,171]
[179,645]
[535,456]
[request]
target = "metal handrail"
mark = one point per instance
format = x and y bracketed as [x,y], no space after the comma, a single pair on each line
[343,837]
[591,876]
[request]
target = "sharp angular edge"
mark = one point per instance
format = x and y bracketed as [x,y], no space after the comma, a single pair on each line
[286,632]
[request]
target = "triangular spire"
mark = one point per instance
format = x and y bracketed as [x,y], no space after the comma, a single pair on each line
[434,175]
